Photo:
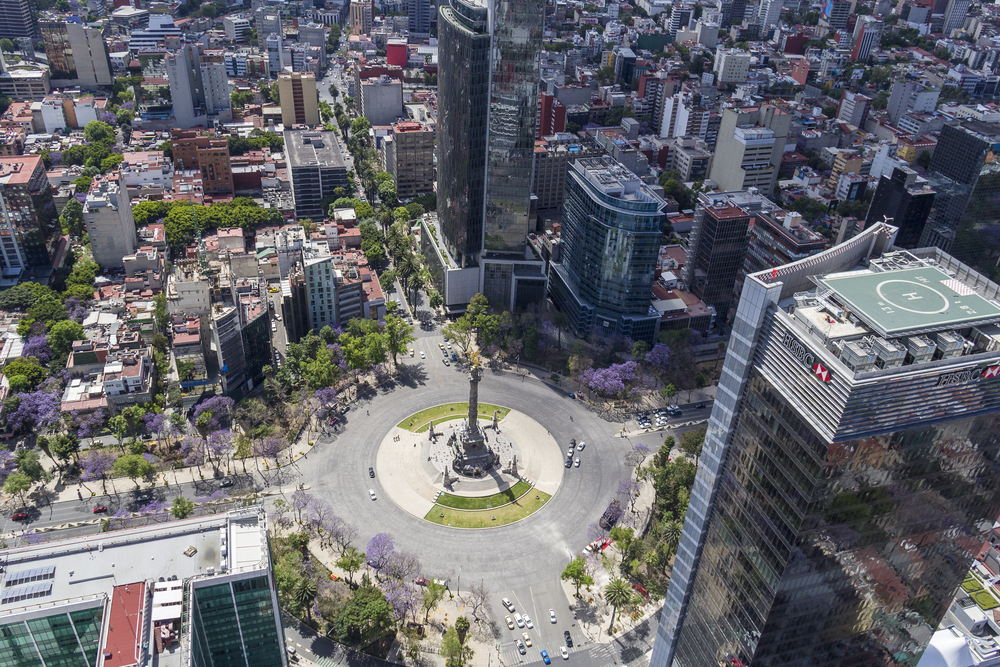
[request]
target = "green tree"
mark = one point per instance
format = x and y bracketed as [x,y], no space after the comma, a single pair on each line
[160,310]
[618,594]
[350,561]
[17,484]
[454,652]
[576,572]
[360,127]
[462,627]
[365,617]
[71,218]
[668,392]
[433,594]
[304,594]
[181,507]
[61,336]
[691,443]
[111,162]
[387,193]
[97,131]
[461,332]
[7,45]
[397,335]
[28,463]
[133,466]
[434,298]
[65,446]
[24,374]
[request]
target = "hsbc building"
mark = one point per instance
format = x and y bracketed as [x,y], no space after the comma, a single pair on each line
[850,471]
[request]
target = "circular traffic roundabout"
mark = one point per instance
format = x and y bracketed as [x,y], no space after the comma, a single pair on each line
[493,473]
[536,422]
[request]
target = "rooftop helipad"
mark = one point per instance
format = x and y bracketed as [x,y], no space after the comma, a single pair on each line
[895,303]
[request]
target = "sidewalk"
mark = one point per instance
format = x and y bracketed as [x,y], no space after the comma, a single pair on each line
[176,476]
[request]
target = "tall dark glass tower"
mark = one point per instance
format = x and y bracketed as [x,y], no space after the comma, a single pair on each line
[517,40]
[849,473]
[463,107]
[965,175]
[487,98]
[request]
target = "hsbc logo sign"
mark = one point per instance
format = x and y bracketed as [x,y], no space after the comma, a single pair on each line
[807,358]
[822,372]
[968,377]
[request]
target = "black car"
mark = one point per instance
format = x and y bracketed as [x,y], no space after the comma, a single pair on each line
[699,406]
[226,481]
[569,639]
[573,441]
[569,463]
[371,472]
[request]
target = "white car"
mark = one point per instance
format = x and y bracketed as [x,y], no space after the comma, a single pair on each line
[577,462]
[519,620]
[565,653]
[580,447]
[552,615]
[371,492]
[422,355]
[527,621]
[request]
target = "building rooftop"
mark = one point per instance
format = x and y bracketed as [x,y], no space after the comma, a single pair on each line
[305,148]
[897,301]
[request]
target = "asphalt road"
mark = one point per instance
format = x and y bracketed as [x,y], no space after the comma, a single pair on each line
[521,561]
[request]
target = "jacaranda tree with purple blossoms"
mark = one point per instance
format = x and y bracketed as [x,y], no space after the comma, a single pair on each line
[96,466]
[37,410]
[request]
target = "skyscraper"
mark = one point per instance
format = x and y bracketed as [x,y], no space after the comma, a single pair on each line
[954,15]
[77,54]
[463,109]
[965,176]
[904,203]
[718,245]
[419,18]
[17,19]
[753,141]
[487,99]
[849,472]
[140,591]
[199,86]
[867,34]
[610,248]
[297,95]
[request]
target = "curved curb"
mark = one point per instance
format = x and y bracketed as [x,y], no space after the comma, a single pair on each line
[503,525]
[485,509]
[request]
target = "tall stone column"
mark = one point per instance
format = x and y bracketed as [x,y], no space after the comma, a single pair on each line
[475,375]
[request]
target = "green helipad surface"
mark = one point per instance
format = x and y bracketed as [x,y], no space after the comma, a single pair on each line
[895,302]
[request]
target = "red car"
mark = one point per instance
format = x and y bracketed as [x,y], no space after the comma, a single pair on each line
[19,516]
[420,581]
[100,509]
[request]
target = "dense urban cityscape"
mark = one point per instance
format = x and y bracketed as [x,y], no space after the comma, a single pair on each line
[357,333]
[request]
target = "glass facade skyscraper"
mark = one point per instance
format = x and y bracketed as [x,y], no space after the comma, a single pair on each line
[849,472]
[517,41]
[487,99]
[965,176]
[610,246]
[463,106]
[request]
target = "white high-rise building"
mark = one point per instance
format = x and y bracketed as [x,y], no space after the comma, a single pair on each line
[769,12]
[107,216]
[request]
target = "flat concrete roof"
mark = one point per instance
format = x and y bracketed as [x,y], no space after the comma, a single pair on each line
[895,302]
[95,565]
[305,148]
